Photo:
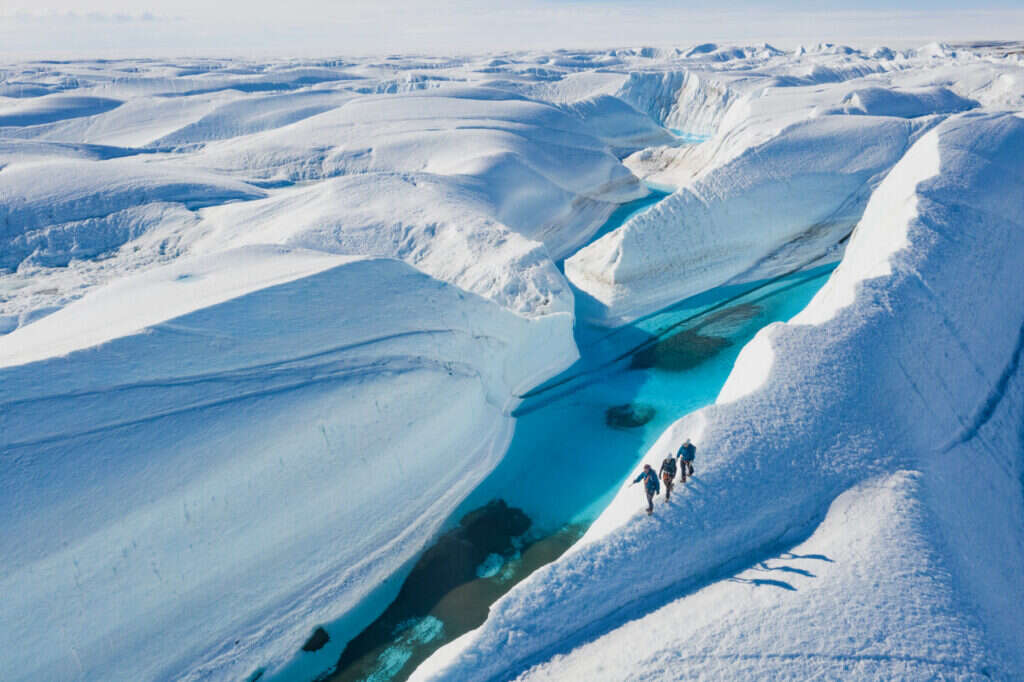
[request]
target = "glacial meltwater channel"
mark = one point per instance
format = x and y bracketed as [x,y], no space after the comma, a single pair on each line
[577,438]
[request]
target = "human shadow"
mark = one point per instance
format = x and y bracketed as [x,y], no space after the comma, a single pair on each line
[818,557]
[760,582]
[790,569]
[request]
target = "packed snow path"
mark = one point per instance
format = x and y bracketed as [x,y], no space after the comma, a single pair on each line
[233,292]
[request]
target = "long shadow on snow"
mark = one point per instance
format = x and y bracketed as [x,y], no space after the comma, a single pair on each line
[777,548]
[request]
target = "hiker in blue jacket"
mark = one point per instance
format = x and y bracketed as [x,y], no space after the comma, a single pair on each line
[686,454]
[651,486]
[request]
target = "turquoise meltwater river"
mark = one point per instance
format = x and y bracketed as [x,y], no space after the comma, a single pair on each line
[577,438]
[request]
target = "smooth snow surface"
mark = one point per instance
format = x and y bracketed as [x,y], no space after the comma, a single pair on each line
[858,499]
[245,306]
[311,376]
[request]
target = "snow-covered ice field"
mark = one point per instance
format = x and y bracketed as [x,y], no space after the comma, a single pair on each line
[264,327]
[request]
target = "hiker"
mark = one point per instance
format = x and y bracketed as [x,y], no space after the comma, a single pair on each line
[686,453]
[668,472]
[651,486]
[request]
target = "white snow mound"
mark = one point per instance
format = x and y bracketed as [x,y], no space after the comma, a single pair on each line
[777,206]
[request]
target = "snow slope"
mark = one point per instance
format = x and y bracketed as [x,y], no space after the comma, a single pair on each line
[50,108]
[858,501]
[477,186]
[155,434]
[442,226]
[542,172]
[807,185]
[873,543]
[54,212]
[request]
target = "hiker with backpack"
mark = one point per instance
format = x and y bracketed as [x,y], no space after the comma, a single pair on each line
[651,486]
[668,472]
[686,454]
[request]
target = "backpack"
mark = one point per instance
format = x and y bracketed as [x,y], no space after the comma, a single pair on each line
[669,466]
[687,452]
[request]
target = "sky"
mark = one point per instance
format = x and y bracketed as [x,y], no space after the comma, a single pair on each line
[111,28]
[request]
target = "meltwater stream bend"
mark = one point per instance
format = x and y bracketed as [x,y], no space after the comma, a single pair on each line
[577,438]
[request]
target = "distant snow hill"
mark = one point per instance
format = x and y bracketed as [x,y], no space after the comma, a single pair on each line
[263,326]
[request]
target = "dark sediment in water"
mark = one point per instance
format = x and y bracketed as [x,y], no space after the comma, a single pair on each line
[690,347]
[466,607]
[628,416]
[726,321]
[449,563]
[453,559]
[317,640]
[680,352]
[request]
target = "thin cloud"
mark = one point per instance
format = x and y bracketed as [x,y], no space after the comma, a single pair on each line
[316,27]
[51,15]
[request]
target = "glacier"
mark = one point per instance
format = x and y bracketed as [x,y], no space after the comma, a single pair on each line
[265,327]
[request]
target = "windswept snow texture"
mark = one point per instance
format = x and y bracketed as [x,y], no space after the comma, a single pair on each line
[242,303]
[857,507]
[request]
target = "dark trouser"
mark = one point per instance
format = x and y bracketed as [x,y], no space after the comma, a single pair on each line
[650,500]
[685,469]
[666,478]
